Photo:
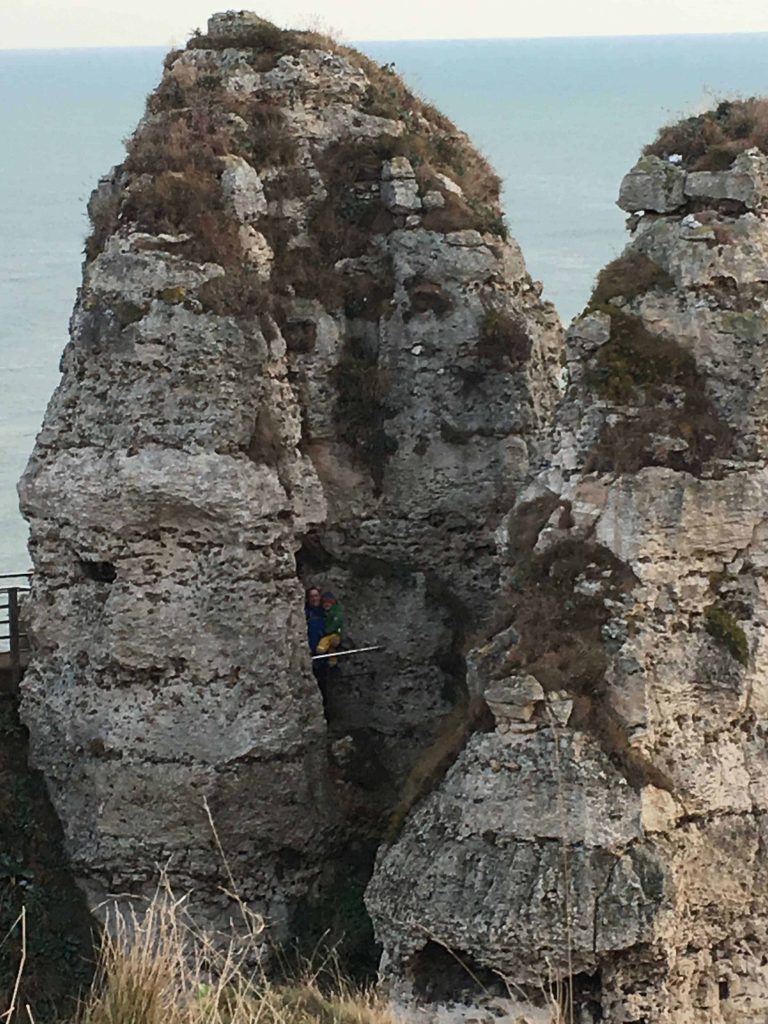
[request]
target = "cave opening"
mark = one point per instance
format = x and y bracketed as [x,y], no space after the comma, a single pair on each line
[99,572]
[385,714]
[440,974]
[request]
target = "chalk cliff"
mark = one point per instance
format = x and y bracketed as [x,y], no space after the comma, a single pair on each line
[304,350]
[607,841]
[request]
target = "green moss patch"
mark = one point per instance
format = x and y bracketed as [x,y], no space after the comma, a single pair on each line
[724,628]
[361,409]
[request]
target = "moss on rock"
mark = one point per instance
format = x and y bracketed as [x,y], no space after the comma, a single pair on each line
[723,627]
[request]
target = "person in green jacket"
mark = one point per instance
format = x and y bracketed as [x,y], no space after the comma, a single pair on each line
[334,626]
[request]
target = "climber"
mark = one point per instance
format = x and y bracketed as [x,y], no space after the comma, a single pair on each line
[313,610]
[334,627]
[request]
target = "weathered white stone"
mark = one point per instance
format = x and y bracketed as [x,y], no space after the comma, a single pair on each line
[256,250]
[449,184]
[433,201]
[243,189]
[401,195]
[745,182]
[399,168]
[652,184]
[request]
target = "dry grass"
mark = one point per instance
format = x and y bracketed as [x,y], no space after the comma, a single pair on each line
[158,966]
[711,141]
[627,277]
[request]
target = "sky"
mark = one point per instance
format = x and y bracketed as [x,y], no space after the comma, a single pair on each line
[46,24]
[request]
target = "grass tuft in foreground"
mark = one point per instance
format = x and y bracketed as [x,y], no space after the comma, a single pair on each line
[160,967]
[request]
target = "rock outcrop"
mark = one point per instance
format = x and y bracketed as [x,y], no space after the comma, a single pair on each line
[303,350]
[606,842]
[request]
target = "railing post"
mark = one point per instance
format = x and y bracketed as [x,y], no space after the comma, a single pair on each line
[13,629]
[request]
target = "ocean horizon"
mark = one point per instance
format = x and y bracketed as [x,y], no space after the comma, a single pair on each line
[562,119]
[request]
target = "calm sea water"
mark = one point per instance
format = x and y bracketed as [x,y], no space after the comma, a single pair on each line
[562,120]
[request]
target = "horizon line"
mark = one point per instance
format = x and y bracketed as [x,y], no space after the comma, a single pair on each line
[410,39]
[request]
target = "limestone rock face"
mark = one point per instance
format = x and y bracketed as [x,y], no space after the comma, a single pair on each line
[609,836]
[659,186]
[284,368]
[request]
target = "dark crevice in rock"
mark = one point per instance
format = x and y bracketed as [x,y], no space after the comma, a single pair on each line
[99,572]
[332,919]
[362,409]
[440,974]
[35,875]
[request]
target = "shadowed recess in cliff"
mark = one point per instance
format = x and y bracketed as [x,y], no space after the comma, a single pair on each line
[35,878]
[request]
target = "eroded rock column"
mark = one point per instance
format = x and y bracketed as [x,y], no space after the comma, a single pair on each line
[302,333]
[605,843]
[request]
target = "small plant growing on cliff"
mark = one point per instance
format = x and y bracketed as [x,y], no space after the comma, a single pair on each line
[627,277]
[361,410]
[635,358]
[504,339]
[725,630]
[668,394]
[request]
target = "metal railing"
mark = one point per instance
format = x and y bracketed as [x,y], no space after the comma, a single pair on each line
[13,635]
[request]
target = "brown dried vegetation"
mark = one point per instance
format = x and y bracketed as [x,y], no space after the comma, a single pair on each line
[711,141]
[662,382]
[174,166]
[627,277]
[560,629]
[504,339]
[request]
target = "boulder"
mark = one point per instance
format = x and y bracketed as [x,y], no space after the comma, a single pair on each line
[744,182]
[652,184]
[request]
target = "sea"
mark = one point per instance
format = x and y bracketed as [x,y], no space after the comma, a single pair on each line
[561,119]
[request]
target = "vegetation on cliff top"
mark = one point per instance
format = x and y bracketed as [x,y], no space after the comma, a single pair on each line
[671,419]
[711,141]
[174,158]
[628,276]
